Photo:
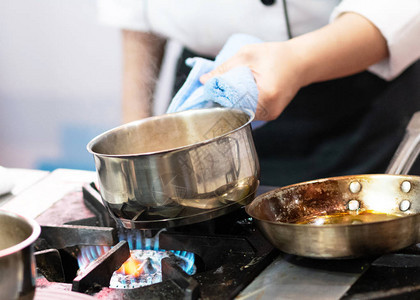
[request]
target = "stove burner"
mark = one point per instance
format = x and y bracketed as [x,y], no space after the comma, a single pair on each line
[144,267]
[144,264]
[141,269]
[212,260]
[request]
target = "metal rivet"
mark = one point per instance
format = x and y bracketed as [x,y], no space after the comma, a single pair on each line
[405,205]
[406,186]
[353,205]
[355,187]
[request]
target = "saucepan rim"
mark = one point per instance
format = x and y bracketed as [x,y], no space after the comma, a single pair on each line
[97,139]
[36,231]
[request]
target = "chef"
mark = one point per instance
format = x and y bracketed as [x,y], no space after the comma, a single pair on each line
[337,80]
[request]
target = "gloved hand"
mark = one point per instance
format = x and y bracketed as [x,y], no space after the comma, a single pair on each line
[236,88]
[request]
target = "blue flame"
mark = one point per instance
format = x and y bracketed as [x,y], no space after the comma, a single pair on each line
[89,254]
[188,258]
[136,241]
[142,243]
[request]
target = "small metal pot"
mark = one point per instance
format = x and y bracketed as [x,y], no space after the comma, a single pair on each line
[17,261]
[177,169]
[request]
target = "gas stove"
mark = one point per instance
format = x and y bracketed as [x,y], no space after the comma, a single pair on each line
[228,254]
[82,253]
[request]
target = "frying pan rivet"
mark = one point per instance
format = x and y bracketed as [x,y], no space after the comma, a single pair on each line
[353,205]
[405,205]
[405,186]
[355,187]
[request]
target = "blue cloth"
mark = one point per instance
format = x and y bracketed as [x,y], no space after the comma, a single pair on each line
[235,89]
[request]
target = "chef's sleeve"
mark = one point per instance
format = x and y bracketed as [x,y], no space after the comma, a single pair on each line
[399,23]
[125,14]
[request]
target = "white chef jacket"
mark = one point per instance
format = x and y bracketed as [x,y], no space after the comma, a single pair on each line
[204,25]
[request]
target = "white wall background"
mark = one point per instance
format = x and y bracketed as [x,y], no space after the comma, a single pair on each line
[60,82]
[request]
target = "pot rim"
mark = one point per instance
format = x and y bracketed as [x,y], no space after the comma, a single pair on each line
[36,231]
[96,139]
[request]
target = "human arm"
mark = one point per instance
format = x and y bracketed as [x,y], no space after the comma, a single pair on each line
[142,57]
[347,46]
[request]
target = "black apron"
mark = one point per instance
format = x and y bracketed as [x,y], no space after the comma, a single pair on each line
[339,127]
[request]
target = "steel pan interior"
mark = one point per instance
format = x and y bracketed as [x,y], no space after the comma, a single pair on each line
[277,211]
[166,133]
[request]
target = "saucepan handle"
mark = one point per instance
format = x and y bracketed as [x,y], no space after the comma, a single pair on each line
[408,150]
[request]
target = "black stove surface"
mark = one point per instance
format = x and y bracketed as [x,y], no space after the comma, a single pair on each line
[230,252]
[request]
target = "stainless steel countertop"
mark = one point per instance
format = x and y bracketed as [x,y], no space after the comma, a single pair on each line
[35,191]
[291,277]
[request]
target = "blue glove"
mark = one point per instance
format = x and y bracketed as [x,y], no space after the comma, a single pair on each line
[236,88]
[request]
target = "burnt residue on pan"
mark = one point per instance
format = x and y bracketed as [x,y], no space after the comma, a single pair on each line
[293,203]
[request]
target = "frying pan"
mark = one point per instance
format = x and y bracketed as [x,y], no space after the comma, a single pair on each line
[347,216]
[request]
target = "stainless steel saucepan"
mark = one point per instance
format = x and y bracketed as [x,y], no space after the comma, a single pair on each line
[178,168]
[348,216]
